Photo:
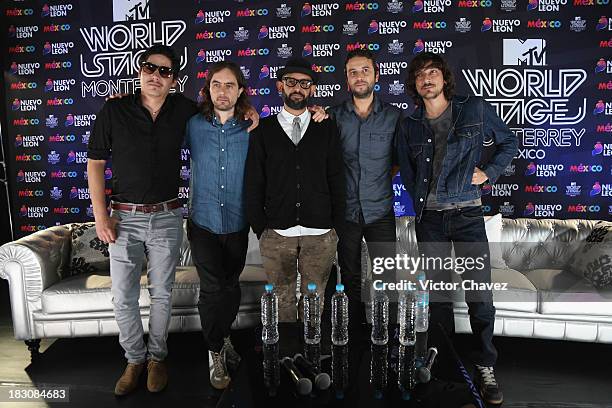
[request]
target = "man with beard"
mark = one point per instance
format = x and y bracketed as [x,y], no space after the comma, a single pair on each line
[440,148]
[367,126]
[295,192]
[217,228]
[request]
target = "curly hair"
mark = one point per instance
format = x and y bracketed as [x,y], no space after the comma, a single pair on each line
[427,60]
[207,108]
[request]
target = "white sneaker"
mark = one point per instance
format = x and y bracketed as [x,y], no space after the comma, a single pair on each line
[219,378]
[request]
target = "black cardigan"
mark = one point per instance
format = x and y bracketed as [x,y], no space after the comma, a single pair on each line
[288,185]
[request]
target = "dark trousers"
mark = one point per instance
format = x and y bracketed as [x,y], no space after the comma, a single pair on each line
[437,232]
[219,260]
[380,237]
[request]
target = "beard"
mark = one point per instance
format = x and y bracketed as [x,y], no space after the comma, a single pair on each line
[297,105]
[431,93]
[223,105]
[363,94]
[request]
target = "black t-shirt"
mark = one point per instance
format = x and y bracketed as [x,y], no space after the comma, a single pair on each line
[145,154]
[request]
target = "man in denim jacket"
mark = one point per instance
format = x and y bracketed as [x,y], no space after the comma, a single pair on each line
[440,152]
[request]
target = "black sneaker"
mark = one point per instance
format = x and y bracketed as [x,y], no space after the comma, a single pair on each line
[232,357]
[489,389]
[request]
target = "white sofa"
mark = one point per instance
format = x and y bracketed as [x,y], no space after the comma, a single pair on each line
[551,303]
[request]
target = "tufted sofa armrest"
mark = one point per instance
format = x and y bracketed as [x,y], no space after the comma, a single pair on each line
[529,244]
[32,264]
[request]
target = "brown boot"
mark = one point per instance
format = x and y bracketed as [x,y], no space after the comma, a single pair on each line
[157,377]
[129,379]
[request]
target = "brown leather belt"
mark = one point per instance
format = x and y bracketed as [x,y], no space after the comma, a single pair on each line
[147,208]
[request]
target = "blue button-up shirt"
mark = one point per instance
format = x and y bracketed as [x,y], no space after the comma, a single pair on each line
[367,147]
[218,156]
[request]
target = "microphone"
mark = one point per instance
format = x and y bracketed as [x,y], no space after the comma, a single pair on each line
[321,380]
[302,384]
[424,372]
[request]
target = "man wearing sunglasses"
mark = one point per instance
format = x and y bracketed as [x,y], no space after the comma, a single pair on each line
[143,133]
[295,190]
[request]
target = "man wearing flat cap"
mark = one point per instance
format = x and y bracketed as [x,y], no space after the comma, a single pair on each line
[295,193]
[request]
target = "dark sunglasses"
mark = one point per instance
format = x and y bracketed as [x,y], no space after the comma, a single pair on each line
[291,82]
[150,68]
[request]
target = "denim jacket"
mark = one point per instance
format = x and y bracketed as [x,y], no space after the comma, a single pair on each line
[474,120]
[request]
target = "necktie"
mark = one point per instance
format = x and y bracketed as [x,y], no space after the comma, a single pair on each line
[296,132]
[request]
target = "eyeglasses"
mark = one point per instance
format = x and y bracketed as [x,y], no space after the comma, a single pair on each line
[150,68]
[291,82]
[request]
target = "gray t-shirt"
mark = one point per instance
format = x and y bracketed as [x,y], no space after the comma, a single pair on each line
[440,127]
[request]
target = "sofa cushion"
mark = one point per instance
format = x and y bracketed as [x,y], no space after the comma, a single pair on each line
[88,254]
[521,295]
[561,292]
[593,258]
[91,292]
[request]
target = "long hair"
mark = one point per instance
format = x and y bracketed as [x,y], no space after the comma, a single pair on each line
[242,104]
[429,59]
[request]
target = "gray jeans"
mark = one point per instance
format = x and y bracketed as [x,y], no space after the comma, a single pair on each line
[158,235]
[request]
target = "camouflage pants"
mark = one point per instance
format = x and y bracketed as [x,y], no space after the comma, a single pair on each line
[283,257]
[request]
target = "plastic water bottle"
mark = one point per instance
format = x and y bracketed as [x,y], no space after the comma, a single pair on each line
[406,317]
[312,315]
[406,378]
[339,312]
[422,320]
[380,318]
[422,305]
[378,369]
[340,369]
[269,315]
[271,368]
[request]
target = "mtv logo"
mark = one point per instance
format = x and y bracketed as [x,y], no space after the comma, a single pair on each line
[524,52]
[129,10]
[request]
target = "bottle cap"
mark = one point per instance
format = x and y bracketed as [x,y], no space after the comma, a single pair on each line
[269,287]
[421,276]
[340,287]
[312,286]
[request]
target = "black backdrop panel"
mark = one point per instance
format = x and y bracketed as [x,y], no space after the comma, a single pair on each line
[545,65]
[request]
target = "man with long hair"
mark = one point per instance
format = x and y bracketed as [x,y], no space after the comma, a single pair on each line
[439,148]
[217,228]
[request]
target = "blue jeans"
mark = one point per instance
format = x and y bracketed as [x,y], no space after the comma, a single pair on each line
[158,235]
[462,228]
